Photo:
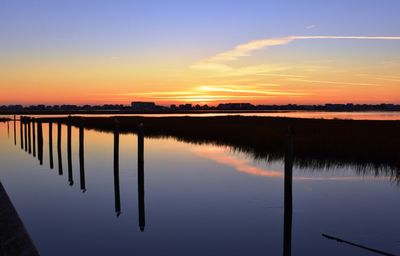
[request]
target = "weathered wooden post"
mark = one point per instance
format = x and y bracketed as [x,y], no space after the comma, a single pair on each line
[287,233]
[116,168]
[51,160]
[60,168]
[40,141]
[142,217]
[82,155]
[69,151]
[34,136]
[21,131]
[29,135]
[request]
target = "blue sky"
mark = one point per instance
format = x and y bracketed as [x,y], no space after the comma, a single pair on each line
[189,31]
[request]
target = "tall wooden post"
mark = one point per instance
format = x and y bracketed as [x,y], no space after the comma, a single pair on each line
[51,160]
[29,135]
[60,168]
[69,151]
[287,233]
[15,132]
[26,133]
[40,141]
[21,131]
[141,206]
[34,136]
[116,169]
[82,155]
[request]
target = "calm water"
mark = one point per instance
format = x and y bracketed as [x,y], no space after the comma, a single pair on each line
[392,115]
[198,200]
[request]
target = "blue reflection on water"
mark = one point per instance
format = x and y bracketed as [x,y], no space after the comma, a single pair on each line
[199,200]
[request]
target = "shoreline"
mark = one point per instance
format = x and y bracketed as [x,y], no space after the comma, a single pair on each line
[317,142]
[169,112]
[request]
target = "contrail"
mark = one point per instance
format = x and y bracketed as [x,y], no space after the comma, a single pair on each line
[245,49]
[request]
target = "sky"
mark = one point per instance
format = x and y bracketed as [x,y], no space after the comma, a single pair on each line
[200,52]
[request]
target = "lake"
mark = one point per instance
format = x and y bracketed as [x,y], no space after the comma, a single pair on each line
[368,115]
[190,199]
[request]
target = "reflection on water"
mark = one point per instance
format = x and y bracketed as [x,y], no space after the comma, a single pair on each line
[368,115]
[200,199]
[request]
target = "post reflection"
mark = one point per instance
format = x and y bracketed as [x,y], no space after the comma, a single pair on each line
[69,152]
[142,218]
[288,211]
[33,137]
[40,141]
[51,160]
[20,132]
[116,169]
[60,168]
[25,134]
[29,136]
[15,131]
[82,156]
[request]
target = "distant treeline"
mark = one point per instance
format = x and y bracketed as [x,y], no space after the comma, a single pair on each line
[151,107]
[317,143]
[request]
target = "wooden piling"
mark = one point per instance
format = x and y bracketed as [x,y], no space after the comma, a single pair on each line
[15,131]
[82,155]
[60,168]
[21,132]
[141,206]
[69,151]
[34,136]
[40,141]
[51,160]
[116,169]
[29,135]
[26,134]
[288,207]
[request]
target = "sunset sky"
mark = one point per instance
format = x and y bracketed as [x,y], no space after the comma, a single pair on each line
[201,52]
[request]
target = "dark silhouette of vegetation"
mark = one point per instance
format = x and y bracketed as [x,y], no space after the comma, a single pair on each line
[368,145]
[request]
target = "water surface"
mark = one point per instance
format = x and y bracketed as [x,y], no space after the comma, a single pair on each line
[367,115]
[198,200]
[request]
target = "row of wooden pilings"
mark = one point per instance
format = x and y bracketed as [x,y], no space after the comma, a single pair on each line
[32,128]
[28,138]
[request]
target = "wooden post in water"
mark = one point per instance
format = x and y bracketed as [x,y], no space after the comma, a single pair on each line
[142,217]
[69,151]
[29,136]
[21,131]
[34,136]
[26,133]
[40,141]
[15,132]
[60,168]
[287,232]
[116,168]
[82,155]
[8,129]
[51,160]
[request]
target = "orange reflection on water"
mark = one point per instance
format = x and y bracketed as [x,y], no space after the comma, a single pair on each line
[220,155]
[243,165]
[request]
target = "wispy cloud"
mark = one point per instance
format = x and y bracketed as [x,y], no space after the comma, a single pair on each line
[218,61]
[310,26]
